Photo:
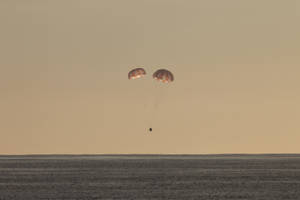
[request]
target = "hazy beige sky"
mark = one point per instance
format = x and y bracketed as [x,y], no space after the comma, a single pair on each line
[64,86]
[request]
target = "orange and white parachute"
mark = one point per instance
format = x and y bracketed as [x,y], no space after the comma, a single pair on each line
[136,73]
[156,92]
[163,75]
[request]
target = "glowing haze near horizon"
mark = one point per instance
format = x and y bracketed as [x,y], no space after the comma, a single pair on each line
[64,86]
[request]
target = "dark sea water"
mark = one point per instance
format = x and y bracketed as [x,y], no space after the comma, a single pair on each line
[83,177]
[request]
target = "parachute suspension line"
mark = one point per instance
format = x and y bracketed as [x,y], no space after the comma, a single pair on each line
[150,104]
[148,92]
[159,95]
[162,78]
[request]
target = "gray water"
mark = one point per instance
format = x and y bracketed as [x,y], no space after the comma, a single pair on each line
[265,177]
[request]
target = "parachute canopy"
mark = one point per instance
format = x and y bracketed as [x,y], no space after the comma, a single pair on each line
[163,75]
[136,73]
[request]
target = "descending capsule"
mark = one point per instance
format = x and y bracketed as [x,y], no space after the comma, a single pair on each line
[136,73]
[163,75]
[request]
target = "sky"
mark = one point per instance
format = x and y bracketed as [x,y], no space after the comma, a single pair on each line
[64,86]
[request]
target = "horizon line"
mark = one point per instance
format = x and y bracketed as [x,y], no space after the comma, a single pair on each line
[157,154]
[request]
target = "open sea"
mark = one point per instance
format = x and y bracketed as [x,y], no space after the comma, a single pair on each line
[182,177]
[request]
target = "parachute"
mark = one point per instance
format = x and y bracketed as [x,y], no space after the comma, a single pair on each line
[154,92]
[163,75]
[136,73]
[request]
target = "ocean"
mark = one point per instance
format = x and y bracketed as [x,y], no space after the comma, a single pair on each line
[182,177]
